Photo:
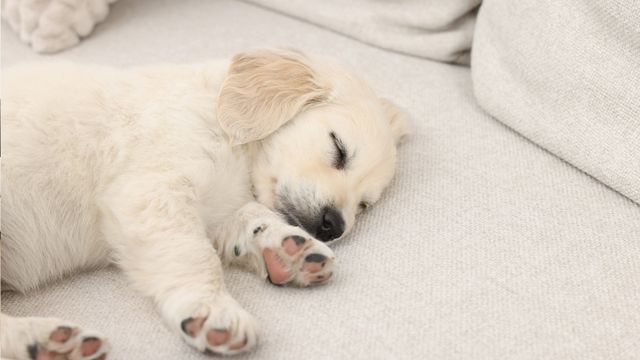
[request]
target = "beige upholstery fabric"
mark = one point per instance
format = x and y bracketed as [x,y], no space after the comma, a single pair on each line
[485,247]
[566,74]
[434,29]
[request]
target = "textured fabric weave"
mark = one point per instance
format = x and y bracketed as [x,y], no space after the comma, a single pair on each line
[566,74]
[485,246]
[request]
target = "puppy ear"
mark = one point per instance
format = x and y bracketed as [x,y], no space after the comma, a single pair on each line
[398,119]
[265,89]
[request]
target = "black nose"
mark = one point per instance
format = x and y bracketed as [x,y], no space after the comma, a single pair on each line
[331,225]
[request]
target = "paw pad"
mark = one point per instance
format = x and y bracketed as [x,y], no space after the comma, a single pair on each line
[61,334]
[192,326]
[278,270]
[314,262]
[90,345]
[217,337]
[293,244]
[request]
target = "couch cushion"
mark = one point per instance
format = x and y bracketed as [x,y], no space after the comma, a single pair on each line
[566,74]
[485,246]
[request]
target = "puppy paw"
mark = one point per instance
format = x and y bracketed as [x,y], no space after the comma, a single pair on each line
[292,257]
[262,242]
[53,339]
[223,327]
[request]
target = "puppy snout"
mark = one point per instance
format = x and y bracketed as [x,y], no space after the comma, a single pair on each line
[331,225]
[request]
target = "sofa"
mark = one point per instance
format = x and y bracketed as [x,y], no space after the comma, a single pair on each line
[499,238]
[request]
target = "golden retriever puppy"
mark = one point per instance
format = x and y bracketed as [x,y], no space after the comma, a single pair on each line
[173,171]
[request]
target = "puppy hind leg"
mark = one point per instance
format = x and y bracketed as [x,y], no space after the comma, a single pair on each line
[49,338]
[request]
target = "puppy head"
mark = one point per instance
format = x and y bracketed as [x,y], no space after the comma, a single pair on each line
[322,144]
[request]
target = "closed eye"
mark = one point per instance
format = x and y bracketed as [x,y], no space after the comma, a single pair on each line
[340,156]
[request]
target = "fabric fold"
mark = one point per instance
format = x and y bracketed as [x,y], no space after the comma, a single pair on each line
[434,29]
[566,75]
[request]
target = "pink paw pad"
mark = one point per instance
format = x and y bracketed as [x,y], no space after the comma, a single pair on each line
[279,271]
[293,244]
[217,337]
[90,346]
[214,337]
[192,326]
[61,334]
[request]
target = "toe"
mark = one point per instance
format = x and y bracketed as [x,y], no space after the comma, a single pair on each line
[314,262]
[217,337]
[192,326]
[61,334]
[293,244]
[313,267]
[90,346]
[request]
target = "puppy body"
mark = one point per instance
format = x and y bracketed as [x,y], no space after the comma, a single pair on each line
[129,166]
[68,166]
[137,167]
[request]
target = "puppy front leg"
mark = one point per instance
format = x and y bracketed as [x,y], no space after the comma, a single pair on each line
[260,240]
[160,243]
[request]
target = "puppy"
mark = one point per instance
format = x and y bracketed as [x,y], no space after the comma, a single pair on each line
[172,172]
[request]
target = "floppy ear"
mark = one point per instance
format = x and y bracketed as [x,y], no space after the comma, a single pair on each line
[398,119]
[265,89]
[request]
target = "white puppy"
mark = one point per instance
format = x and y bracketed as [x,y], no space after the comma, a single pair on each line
[171,172]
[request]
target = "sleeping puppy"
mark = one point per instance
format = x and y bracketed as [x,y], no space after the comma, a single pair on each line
[172,172]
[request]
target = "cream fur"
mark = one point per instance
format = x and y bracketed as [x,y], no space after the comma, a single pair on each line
[242,117]
[132,166]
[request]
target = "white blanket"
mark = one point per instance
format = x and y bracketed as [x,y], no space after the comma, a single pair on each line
[434,29]
[50,26]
